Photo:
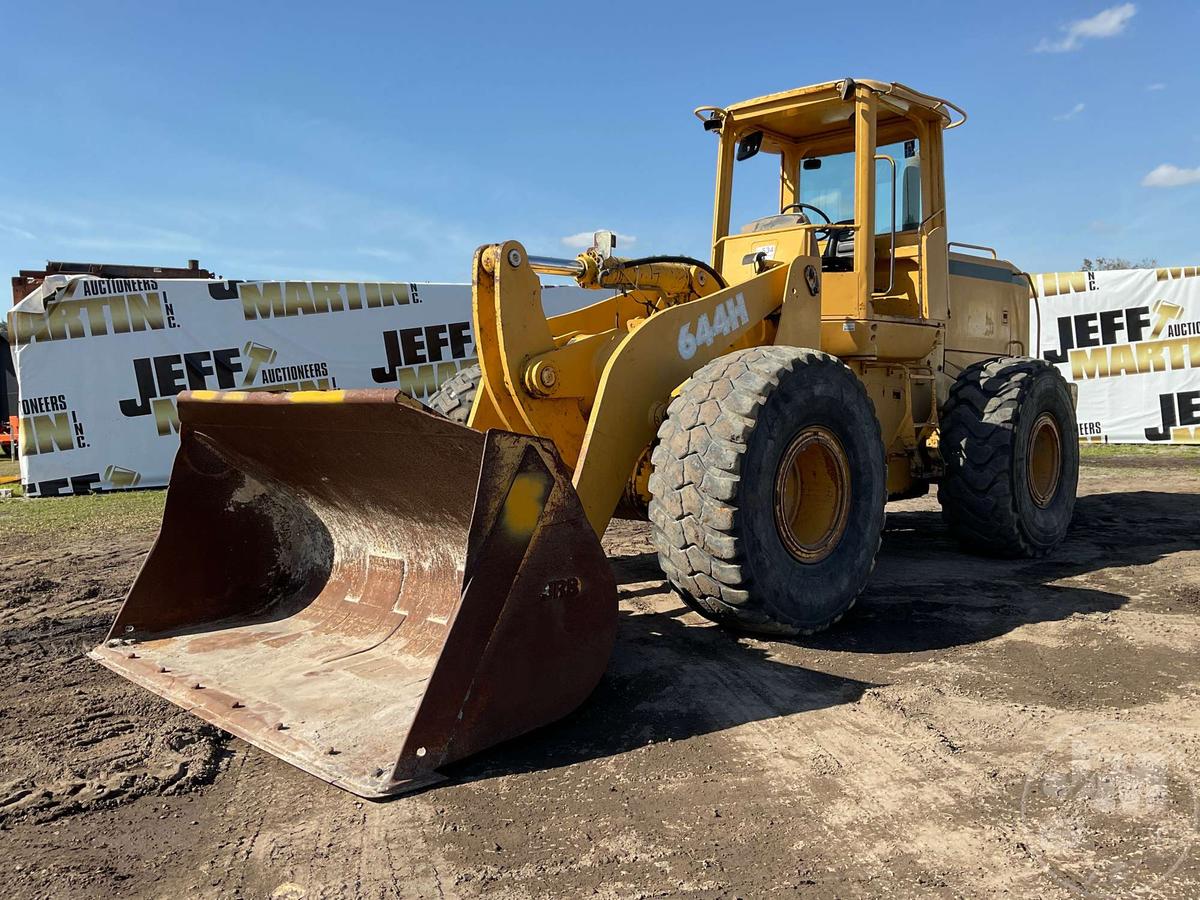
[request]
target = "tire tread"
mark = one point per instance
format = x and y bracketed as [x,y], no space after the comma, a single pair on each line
[698,461]
[977,424]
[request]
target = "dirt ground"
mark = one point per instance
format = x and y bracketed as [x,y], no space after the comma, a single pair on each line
[975,728]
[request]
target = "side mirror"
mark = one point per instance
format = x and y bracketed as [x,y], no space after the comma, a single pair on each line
[604,243]
[810,164]
[749,145]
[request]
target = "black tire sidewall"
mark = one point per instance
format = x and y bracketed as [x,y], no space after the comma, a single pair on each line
[809,595]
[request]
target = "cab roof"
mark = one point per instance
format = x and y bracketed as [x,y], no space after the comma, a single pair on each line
[819,108]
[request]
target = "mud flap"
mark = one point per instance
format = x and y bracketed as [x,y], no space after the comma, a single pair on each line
[363,588]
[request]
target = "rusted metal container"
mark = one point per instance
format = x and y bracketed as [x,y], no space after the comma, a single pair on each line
[26,281]
[364,588]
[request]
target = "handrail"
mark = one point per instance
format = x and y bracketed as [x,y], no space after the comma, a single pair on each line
[941,101]
[811,226]
[922,237]
[990,250]
[883,157]
[958,109]
[1037,305]
[928,219]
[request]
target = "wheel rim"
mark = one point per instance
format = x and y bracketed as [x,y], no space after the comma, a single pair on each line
[1044,468]
[812,494]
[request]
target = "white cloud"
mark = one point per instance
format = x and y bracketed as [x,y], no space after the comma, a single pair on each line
[18,232]
[385,255]
[1104,24]
[1168,175]
[1071,113]
[252,267]
[829,201]
[583,240]
[1156,86]
[131,238]
[38,216]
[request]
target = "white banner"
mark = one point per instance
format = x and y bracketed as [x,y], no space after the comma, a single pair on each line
[1131,341]
[101,361]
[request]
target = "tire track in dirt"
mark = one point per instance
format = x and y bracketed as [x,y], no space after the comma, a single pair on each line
[886,758]
[72,737]
[873,751]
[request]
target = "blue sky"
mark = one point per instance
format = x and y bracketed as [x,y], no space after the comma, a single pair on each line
[386,141]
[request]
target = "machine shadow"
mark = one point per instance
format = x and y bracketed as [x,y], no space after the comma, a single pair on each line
[667,680]
[672,679]
[928,594]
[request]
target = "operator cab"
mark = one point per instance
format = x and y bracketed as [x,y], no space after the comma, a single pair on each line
[847,170]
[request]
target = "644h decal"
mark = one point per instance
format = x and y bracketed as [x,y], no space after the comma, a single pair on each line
[727,318]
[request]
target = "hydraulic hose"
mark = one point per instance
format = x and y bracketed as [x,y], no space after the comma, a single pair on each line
[684,260]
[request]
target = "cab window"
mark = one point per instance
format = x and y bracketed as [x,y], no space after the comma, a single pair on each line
[755,188]
[827,182]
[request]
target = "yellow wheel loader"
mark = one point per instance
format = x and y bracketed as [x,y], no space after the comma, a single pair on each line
[422,586]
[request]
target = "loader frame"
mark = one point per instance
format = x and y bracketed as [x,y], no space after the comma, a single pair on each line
[378,605]
[597,381]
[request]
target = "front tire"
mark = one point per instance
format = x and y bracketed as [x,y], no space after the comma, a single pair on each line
[1010,444]
[455,397]
[768,490]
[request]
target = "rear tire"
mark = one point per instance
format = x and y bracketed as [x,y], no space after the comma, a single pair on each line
[768,490]
[455,397]
[1010,444]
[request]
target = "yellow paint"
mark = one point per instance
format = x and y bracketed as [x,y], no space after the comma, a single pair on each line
[219,396]
[292,396]
[595,381]
[524,504]
[316,396]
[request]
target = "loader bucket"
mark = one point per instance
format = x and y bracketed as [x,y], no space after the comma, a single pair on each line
[363,588]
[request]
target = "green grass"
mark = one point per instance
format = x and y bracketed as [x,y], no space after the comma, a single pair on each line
[141,511]
[94,514]
[1140,451]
